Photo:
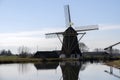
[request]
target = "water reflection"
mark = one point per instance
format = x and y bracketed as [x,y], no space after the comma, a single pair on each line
[111,72]
[70,70]
[46,65]
[23,68]
[59,71]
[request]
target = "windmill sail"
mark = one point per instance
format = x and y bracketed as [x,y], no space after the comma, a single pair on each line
[87,28]
[53,35]
[67,16]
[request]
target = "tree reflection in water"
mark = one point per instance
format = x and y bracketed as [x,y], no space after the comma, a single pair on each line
[70,70]
[23,68]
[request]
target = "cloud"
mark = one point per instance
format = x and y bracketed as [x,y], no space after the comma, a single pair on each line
[30,39]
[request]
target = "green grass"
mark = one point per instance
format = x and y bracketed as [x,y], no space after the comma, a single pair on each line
[16,59]
[115,63]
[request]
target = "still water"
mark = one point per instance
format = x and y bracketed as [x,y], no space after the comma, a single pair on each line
[59,71]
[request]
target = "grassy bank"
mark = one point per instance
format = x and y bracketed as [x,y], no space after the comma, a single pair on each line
[16,59]
[115,63]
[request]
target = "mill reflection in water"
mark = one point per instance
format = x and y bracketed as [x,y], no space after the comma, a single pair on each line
[59,71]
[70,70]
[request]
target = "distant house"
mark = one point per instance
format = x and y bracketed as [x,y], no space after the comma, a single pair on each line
[46,54]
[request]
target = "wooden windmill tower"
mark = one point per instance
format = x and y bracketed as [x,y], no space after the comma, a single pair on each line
[70,42]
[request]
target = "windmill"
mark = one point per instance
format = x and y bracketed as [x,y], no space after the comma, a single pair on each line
[110,49]
[70,42]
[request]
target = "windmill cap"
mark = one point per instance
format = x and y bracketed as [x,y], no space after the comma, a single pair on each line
[70,31]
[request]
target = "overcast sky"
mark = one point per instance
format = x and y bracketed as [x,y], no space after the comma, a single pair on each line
[24,22]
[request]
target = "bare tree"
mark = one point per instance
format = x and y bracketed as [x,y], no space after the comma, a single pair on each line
[23,51]
[102,50]
[83,47]
[114,50]
[99,50]
[5,52]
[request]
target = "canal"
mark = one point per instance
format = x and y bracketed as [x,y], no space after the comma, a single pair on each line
[59,71]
